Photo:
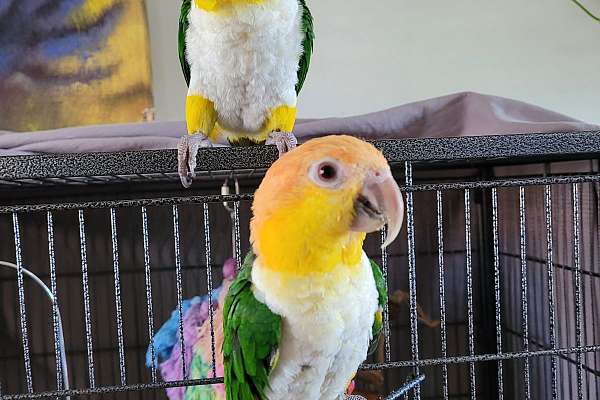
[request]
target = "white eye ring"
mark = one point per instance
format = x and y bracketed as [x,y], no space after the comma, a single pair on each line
[327,173]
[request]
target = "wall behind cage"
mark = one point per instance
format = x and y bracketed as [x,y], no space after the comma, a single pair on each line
[397,51]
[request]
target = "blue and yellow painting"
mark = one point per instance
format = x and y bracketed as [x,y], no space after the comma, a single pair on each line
[73,62]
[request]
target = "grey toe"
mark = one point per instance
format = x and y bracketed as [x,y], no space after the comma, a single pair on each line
[284,141]
[187,151]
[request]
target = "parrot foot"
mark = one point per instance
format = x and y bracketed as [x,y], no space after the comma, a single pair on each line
[187,150]
[355,397]
[285,141]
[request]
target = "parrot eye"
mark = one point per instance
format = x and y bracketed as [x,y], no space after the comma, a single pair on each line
[326,173]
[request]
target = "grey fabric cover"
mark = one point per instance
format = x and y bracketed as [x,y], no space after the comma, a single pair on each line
[461,114]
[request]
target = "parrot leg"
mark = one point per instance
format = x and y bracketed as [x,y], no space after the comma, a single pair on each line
[187,150]
[355,397]
[201,117]
[284,141]
[280,125]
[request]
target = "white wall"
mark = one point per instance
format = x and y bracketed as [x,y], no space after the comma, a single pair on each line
[375,54]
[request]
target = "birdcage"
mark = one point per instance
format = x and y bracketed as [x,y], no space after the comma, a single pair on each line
[494,281]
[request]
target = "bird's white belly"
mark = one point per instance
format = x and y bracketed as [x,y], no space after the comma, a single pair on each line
[325,336]
[246,62]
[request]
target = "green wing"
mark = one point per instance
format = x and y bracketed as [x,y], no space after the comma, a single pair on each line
[383,298]
[251,338]
[307,44]
[184,23]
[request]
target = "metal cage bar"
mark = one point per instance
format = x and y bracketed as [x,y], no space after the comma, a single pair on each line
[22,307]
[551,289]
[148,283]
[207,250]
[55,304]
[412,275]
[118,306]
[442,289]
[469,270]
[524,289]
[577,284]
[595,303]
[179,285]
[237,244]
[86,300]
[497,291]
[386,309]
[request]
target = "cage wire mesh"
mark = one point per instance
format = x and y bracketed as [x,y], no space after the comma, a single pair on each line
[494,281]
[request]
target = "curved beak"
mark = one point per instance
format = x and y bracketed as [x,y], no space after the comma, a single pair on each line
[379,203]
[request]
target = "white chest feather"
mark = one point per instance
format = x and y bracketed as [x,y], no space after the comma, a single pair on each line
[245,60]
[326,330]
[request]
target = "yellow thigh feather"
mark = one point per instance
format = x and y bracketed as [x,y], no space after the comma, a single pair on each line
[201,117]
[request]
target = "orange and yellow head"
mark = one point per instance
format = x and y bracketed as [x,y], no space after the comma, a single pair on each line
[317,202]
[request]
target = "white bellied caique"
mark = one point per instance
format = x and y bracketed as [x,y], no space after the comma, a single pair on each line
[245,62]
[299,318]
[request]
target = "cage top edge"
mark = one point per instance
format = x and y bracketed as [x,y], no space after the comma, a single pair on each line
[495,148]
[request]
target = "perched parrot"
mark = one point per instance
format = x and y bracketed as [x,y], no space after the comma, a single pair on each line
[245,62]
[304,309]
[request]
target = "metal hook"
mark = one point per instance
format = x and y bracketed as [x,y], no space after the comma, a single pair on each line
[225,191]
[408,386]
[411,383]
[61,338]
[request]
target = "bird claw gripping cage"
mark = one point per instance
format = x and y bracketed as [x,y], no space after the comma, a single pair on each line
[494,282]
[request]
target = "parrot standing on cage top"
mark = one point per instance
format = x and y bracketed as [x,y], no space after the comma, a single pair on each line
[300,316]
[245,62]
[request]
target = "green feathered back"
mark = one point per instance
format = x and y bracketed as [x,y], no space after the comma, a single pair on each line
[252,333]
[184,24]
[382,291]
[307,42]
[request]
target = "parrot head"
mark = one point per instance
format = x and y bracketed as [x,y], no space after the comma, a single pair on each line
[316,204]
